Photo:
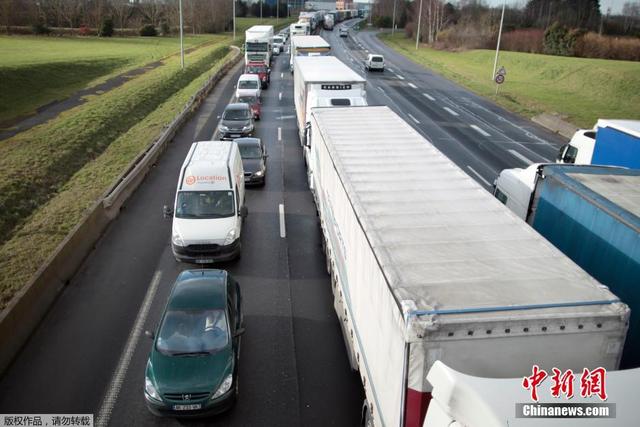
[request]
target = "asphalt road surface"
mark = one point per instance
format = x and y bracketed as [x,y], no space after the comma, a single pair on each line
[89,353]
[293,365]
[480,137]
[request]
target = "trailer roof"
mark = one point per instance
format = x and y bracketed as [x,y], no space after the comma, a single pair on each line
[620,188]
[632,127]
[260,28]
[320,69]
[310,41]
[445,245]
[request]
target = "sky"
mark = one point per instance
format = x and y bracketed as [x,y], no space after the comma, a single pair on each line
[615,5]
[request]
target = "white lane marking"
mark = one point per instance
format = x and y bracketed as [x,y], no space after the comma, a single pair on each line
[381,90]
[390,69]
[426,95]
[280,96]
[487,183]
[480,130]
[399,76]
[521,157]
[120,373]
[287,117]
[279,134]
[450,111]
[413,118]
[413,86]
[282,75]
[283,232]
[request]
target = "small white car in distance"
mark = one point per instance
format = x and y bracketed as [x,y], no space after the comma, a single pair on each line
[374,62]
[343,32]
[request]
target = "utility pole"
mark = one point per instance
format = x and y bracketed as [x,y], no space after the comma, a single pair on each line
[393,23]
[495,62]
[234,19]
[277,11]
[181,39]
[419,20]
[260,10]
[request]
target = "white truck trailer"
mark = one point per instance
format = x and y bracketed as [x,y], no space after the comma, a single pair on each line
[426,265]
[324,81]
[308,46]
[258,44]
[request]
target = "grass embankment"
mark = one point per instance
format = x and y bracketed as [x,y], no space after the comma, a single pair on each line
[57,171]
[582,89]
[38,70]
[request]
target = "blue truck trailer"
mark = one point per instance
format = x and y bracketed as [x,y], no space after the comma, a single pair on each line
[592,214]
[610,142]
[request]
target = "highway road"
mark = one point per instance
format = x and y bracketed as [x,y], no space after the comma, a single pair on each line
[89,353]
[479,136]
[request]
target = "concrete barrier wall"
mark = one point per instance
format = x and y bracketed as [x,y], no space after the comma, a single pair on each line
[25,311]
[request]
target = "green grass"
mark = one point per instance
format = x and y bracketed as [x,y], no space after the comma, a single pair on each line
[37,162]
[581,89]
[38,70]
[47,226]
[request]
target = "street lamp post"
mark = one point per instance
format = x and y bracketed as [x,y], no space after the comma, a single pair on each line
[393,23]
[419,21]
[260,10]
[495,62]
[181,39]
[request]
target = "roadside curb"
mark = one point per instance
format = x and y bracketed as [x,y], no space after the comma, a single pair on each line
[555,124]
[27,308]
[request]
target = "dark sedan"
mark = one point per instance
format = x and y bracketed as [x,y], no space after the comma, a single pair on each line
[192,369]
[254,159]
[236,122]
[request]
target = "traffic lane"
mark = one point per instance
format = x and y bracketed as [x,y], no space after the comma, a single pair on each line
[89,323]
[517,128]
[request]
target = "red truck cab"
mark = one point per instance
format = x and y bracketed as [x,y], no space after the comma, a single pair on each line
[259,68]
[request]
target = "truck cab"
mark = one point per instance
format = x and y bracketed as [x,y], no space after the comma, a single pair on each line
[514,187]
[580,149]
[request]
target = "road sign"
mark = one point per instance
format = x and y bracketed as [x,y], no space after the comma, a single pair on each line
[499,79]
[502,71]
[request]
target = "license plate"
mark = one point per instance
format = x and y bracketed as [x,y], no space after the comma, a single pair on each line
[187,407]
[235,135]
[204,261]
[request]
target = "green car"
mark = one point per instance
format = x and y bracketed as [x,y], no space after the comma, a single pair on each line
[192,369]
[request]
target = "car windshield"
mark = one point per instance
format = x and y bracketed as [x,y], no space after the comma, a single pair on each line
[247,84]
[250,151]
[247,99]
[186,332]
[255,69]
[236,114]
[277,39]
[376,59]
[205,204]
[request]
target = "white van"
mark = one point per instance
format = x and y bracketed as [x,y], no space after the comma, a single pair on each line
[209,205]
[249,85]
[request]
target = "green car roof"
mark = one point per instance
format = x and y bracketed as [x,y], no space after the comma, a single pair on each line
[199,289]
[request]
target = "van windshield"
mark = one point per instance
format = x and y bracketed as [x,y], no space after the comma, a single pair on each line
[239,114]
[205,204]
[248,84]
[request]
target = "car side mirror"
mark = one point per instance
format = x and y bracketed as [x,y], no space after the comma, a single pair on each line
[562,153]
[265,156]
[167,211]
[244,212]
[150,335]
[239,332]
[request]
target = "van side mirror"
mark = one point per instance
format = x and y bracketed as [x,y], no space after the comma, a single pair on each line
[562,153]
[167,211]
[244,212]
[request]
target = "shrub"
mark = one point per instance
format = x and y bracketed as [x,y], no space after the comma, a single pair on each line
[524,40]
[592,45]
[559,40]
[40,29]
[148,31]
[165,29]
[84,30]
[106,29]
[383,21]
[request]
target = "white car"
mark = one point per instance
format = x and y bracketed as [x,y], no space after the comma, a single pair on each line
[343,32]
[249,85]
[374,62]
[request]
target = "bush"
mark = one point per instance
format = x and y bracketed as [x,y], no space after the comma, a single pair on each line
[559,40]
[165,29]
[148,31]
[83,30]
[464,36]
[383,21]
[40,29]
[528,40]
[106,29]
[592,45]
